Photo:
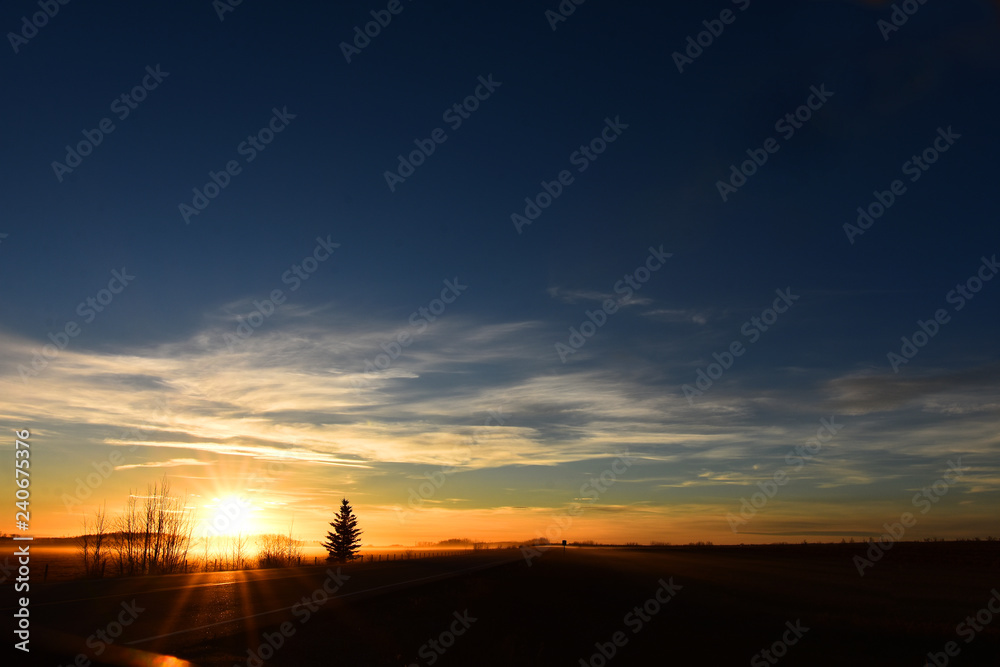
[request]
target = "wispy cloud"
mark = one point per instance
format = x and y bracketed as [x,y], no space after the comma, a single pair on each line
[668,315]
[297,393]
[579,295]
[172,463]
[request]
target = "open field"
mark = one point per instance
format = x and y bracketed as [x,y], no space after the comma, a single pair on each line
[726,604]
[65,564]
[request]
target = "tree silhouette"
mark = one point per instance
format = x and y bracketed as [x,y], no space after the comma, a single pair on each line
[344,542]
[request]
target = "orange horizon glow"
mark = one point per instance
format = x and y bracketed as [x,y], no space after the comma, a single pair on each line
[480,471]
[386,526]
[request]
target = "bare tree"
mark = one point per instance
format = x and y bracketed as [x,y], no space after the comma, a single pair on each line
[235,557]
[293,548]
[205,540]
[270,550]
[85,547]
[100,541]
[155,538]
[275,550]
[126,543]
[94,545]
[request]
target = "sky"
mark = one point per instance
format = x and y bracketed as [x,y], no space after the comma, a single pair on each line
[695,272]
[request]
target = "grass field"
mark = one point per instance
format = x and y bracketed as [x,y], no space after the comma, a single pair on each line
[65,563]
[732,603]
[803,604]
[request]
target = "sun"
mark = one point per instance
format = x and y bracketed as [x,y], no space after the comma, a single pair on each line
[230,515]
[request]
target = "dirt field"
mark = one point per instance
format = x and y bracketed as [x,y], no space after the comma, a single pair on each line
[803,604]
[63,562]
[730,604]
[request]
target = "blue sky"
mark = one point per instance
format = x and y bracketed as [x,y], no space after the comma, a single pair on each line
[297,391]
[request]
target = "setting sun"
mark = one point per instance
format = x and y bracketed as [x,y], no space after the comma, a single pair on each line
[229,515]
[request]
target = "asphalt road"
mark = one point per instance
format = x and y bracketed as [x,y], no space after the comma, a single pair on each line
[711,606]
[126,620]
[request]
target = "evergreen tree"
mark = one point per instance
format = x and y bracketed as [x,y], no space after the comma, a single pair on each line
[344,542]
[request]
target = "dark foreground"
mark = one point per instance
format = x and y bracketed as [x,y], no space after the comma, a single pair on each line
[804,604]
